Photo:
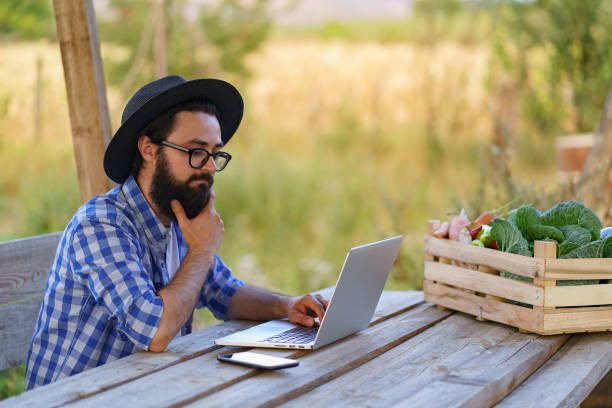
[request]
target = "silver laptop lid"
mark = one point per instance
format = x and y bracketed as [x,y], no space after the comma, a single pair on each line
[358,290]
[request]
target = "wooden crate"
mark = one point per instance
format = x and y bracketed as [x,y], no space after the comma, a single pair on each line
[467,278]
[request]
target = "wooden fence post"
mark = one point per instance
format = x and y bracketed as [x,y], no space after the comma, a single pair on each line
[77,33]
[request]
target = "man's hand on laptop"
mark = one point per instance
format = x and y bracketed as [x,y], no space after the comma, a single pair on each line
[303,310]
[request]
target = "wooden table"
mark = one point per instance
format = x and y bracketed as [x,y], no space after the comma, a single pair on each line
[412,355]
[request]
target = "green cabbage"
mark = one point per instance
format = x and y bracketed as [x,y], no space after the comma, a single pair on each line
[509,238]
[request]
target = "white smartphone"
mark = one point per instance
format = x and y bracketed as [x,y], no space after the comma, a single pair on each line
[258,360]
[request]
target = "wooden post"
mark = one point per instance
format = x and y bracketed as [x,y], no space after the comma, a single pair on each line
[77,33]
[159,46]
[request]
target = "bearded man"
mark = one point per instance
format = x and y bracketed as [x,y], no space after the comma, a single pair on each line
[134,263]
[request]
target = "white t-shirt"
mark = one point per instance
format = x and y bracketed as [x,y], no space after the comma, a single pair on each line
[173,260]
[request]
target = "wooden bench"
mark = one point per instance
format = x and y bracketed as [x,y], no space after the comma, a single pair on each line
[24,265]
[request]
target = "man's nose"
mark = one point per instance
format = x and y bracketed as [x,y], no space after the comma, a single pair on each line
[210,166]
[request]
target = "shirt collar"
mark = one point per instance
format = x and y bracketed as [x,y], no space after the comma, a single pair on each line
[154,229]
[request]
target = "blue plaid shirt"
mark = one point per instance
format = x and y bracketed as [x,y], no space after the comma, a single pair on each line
[101,301]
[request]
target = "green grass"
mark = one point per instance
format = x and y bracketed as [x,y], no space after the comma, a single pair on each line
[12,381]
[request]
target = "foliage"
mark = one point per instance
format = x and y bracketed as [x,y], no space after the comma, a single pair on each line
[215,42]
[236,30]
[26,19]
[12,381]
[559,54]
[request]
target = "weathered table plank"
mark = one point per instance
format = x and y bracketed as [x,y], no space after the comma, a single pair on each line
[319,367]
[458,362]
[381,382]
[568,377]
[206,374]
[128,369]
[491,376]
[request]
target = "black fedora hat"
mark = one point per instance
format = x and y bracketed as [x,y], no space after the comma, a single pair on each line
[157,97]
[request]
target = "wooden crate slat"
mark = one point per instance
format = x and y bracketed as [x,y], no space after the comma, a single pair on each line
[578,320]
[502,261]
[576,269]
[485,283]
[130,368]
[568,377]
[581,295]
[482,307]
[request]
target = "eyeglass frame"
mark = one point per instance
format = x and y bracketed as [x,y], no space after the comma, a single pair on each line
[208,155]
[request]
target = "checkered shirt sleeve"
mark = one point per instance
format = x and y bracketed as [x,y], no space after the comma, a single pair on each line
[107,259]
[219,288]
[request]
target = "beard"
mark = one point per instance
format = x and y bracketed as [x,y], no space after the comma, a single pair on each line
[165,188]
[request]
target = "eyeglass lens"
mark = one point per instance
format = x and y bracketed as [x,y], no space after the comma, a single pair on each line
[200,157]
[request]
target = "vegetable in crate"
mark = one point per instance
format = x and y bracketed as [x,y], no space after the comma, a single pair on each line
[442,231]
[575,228]
[458,229]
[509,238]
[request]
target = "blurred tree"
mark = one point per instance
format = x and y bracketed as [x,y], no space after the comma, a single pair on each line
[167,36]
[26,19]
[560,54]
[235,30]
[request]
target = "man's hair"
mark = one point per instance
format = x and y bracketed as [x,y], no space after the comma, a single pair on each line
[159,129]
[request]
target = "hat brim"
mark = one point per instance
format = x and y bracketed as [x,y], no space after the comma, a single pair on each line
[120,152]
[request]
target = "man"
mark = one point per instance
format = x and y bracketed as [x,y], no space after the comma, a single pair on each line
[133,263]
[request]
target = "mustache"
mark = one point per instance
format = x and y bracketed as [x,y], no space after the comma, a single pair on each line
[207,177]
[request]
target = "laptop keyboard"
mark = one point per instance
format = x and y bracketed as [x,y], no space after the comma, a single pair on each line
[297,335]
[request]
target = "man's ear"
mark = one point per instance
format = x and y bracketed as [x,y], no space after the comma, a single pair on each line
[147,148]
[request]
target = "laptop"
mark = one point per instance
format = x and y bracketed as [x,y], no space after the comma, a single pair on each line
[350,308]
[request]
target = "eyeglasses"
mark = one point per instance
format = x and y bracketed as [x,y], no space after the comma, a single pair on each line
[199,157]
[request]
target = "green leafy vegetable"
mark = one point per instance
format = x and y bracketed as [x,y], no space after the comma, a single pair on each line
[576,234]
[509,238]
[574,227]
[566,247]
[602,248]
[543,232]
[573,213]
[525,217]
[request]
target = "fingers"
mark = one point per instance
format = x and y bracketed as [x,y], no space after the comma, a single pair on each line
[179,212]
[322,300]
[309,306]
[302,319]
[210,206]
[317,307]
